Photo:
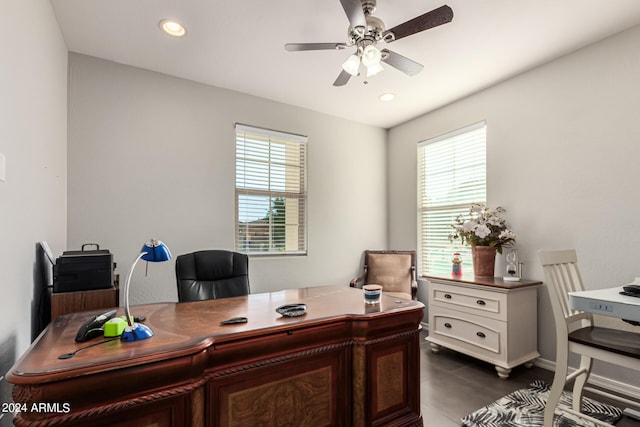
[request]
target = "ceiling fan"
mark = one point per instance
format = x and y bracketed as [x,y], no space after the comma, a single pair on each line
[366,30]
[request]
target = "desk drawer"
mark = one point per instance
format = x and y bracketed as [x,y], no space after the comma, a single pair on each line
[472,335]
[469,300]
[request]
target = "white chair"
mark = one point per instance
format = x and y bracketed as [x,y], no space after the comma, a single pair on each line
[576,333]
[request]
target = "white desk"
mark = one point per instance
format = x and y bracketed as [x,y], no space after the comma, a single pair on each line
[607,302]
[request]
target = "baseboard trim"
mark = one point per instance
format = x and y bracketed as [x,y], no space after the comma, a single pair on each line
[618,387]
[625,389]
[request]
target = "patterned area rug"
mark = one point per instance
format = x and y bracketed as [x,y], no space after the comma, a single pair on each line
[525,408]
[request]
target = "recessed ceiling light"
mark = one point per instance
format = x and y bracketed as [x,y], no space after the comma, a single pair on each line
[173,28]
[386,97]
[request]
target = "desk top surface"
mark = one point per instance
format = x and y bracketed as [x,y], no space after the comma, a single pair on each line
[187,328]
[608,294]
[493,282]
[607,302]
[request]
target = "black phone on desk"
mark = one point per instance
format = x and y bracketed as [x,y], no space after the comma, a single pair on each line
[94,327]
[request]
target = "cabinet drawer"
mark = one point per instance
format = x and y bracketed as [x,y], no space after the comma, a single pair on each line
[473,335]
[470,300]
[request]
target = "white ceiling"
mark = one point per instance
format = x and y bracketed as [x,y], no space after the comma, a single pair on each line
[238,45]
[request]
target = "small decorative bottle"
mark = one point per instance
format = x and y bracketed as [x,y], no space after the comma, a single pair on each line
[456,264]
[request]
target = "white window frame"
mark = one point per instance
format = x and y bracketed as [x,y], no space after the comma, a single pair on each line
[271,167]
[451,177]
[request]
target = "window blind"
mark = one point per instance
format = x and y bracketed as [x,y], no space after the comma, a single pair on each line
[451,177]
[270,191]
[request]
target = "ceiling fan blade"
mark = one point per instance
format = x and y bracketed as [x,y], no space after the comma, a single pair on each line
[355,14]
[342,79]
[402,63]
[295,47]
[439,16]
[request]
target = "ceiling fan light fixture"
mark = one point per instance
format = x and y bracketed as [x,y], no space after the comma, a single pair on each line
[173,28]
[371,56]
[374,69]
[365,31]
[352,65]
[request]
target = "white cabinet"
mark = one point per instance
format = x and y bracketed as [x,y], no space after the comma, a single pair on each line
[485,318]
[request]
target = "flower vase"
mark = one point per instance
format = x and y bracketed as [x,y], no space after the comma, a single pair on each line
[484,260]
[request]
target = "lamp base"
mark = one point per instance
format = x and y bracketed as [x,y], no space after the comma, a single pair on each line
[137,332]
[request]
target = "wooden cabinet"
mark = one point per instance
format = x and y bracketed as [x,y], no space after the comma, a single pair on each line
[72,302]
[488,319]
[96,299]
[276,392]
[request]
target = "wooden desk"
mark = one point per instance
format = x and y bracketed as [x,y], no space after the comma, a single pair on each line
[342,364]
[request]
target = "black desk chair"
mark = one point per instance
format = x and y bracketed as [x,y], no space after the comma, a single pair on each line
[212,274]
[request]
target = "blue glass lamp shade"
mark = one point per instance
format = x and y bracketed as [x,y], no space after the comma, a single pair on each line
[152,251]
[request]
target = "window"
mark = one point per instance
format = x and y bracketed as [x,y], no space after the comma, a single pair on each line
[271,192]
[451,176]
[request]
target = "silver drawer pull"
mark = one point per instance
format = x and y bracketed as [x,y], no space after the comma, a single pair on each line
[447,296]
[447,325]
[481,302]
[481,334]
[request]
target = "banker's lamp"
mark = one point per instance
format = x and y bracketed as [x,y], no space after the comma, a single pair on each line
[152,251]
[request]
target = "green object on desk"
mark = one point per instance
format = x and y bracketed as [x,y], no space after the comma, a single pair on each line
[115,327]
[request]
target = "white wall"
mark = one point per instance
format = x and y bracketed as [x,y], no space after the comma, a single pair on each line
[140,140]
[33,204]
[563,143]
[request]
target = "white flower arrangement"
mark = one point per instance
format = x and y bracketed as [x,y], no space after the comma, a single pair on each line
[485,227]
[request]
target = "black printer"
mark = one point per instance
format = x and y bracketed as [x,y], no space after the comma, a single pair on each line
[83,270]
